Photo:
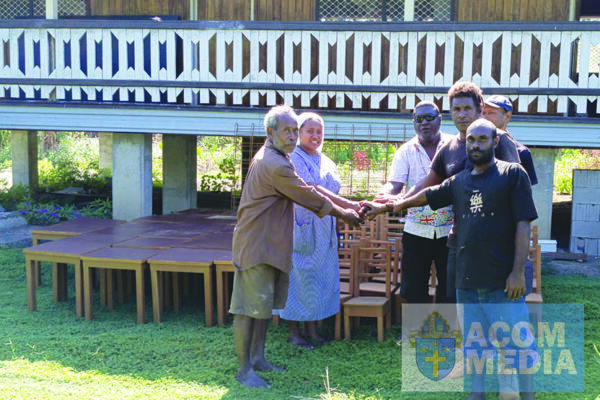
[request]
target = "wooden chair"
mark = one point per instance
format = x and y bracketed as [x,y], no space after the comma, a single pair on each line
[367,263]
[535,256]
[347,237]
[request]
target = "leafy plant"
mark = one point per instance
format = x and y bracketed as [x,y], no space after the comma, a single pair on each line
[224,181]
[567,161]
[37,213]
[10,198]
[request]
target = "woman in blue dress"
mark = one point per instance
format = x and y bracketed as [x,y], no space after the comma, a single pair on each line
[314,291]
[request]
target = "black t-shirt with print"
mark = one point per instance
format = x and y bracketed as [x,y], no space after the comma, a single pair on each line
[487,208]
[452,159]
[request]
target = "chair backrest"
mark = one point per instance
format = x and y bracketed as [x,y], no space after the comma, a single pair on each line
[369,261]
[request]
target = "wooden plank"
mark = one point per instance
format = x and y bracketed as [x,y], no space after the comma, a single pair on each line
[30,70]
[237,64]
[450,44]
[583,77]
[123,38]
[138,72]
[525,69]
[545,39]
[430,58]
[325,38]
[507,10]
[488,39]
[272,63]
[468,56]
[155,36]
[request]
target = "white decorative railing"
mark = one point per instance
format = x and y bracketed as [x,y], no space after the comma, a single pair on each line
[379,67]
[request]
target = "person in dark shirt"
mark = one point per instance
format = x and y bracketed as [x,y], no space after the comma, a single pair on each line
[466,102]
[493,208]
[498,110]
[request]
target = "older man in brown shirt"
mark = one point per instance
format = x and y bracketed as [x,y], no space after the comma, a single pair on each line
[263,239]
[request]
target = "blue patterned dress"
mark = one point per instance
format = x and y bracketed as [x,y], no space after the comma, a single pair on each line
[314,291]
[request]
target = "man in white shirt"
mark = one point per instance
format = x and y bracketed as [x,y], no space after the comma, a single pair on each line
[425,230]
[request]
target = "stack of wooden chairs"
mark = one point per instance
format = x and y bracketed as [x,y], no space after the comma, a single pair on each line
[370,258]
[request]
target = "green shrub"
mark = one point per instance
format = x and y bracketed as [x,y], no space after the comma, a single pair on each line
[37,213]
[16,194]
[567,161]
[74,162]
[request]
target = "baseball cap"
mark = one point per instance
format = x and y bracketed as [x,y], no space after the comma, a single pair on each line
[498,101]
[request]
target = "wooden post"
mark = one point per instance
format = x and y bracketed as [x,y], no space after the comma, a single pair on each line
[51,9]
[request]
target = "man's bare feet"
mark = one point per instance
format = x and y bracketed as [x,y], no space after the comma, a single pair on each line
[264,365]
[251,380]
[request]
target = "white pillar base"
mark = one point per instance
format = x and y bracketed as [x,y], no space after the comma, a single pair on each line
[179,173]
[132,175]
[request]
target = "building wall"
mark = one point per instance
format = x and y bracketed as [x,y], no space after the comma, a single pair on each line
[264,10]
[512,10]
[180,8]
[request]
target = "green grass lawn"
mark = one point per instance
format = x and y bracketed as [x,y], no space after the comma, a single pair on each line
[52,354]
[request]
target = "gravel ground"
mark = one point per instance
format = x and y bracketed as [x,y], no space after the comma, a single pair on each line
[590,267]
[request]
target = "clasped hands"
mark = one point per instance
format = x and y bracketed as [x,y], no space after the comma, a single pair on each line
[383,202]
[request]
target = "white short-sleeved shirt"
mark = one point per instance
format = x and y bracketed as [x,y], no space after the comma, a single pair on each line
[410,165]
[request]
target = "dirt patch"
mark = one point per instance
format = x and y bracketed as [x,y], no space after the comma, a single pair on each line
[590,267]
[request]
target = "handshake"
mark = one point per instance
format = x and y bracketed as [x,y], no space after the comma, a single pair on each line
[380,204]
[363,210]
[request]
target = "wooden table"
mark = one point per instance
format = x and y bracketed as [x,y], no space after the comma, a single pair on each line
[214,240]
[183,260]
[150,243]
[223,269]
[119,259]
[60,253]
[67,229]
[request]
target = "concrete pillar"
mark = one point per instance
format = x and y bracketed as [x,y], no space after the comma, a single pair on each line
[105,139]
[179,173]
[24,153]
[543,160]
[132,175]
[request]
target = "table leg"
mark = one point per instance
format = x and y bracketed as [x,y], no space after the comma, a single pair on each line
[38,265]
[30,269]
[220,298]
[87,292]
[176,297]
[110,295]
[102,279]
[63,281]
[156,281]
[79,289]
[59,281]
[208,296]
[55,283]
[167,286]
[121,291]
[139,285]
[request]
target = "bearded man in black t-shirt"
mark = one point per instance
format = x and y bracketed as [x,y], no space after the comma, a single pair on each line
[493,208]
[466,102]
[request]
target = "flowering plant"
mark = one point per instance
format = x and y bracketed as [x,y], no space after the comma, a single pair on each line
[361,160]
[51,213]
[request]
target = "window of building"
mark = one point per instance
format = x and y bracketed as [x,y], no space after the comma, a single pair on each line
[37,8]
[385,10]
